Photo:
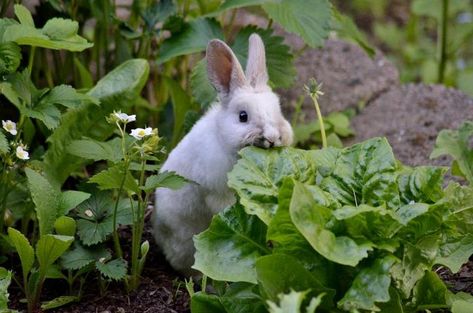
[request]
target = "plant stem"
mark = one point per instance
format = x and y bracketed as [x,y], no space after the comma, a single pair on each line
[442,41]
[321,122]
[137,233]
[31,59]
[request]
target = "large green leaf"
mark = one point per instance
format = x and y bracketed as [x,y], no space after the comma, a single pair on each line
[258,174]
[455,254]
[97,150]
[57,33]
[235,4]
[371,285]
[228,249]
[165,180]
[49,248]
[365,173]
[67,96]
[23,248]
[10,57]
[286,239]
[310,19]
[115,177]
[95,221]
[193,38]
[238,298]
[421,184]
[80,256]
[114,269]
[47,200]
[279,273]
[116,91]
[292,302]
[456,144]
[70,199]
[430,290]
[311,218]
[181,104]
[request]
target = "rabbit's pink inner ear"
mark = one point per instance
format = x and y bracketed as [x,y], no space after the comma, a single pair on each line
[256,72]
[224,70]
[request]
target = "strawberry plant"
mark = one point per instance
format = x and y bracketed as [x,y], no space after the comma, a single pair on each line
[352,227]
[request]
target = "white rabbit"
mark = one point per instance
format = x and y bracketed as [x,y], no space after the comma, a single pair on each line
[248,113]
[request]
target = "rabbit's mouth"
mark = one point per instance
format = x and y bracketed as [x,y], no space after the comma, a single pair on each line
[263,143]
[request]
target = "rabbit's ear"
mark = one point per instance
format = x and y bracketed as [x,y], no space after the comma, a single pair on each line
[256,72]
[224,70]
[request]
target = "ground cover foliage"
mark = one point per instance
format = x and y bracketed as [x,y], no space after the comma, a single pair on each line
[337,230]
[314,230]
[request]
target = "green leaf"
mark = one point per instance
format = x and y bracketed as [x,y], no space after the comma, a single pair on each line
[228,249]
[181,104]
[202,91]
[310,219]
[365,173]
[67,96]
[4,147]
[65,225]
[5,279]
[258,174]
[165,180]
[86,79]
[96,217]
[455,254]
[80,256]
[112,178]
[49,248]
[292,302]
[421,184]
[430,290]
[310,19]
[235,4]
[59,28]
[462,306]
[24,249]
[10,57]
[58,302]
[346,28]
[70,199]
[456,144]
[23,15]
[193,38]
[279,273]
[47,200]
[239,297]
[97,150]
[202,302]
[371,285]
[115,269]
[116,91]
[286,239]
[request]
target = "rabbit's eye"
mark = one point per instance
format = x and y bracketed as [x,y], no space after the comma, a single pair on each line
[243,117]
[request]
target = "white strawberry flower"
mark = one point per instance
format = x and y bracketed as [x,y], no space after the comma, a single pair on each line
[140,133]
[21,153]
[89,213]
[10,127]
[125,118]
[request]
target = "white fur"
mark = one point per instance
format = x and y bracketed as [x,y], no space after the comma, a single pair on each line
[209,151]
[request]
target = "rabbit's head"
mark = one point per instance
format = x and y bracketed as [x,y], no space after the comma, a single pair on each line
[250,113]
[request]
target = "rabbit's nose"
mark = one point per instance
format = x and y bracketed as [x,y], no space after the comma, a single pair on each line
[271,143]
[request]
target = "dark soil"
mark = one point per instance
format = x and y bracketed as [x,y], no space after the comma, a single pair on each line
[162,290]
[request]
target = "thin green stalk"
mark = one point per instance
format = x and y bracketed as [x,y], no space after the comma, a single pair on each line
[442,42]
[137,231]
[314,91]
[31,59]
